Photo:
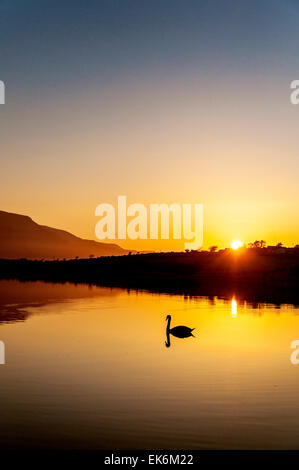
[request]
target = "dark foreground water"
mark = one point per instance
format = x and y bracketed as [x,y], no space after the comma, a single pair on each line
[88,368]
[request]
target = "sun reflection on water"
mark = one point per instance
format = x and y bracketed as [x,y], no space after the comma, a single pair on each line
[234,308]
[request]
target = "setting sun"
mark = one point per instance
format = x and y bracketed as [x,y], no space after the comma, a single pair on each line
[236,244]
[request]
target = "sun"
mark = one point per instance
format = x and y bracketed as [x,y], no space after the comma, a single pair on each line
[236,244]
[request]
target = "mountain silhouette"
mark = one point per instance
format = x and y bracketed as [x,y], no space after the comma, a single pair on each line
[21,237]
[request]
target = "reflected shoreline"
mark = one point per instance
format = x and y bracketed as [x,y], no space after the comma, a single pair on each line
[18,297]
[244,290]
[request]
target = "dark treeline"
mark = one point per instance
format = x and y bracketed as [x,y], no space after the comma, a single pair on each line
[256,274]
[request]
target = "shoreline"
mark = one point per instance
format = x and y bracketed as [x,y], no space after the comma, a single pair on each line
[252,275]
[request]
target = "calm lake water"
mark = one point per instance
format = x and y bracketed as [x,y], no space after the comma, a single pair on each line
[87,367]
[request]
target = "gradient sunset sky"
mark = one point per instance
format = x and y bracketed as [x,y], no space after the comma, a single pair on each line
[163,101]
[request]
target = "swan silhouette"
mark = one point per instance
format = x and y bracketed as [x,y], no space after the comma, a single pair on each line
[177,331]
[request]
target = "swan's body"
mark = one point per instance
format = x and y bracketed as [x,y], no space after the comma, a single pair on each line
[181,331]
[178,331]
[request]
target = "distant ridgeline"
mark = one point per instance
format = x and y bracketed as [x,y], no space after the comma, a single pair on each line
[21,237]
[257,274]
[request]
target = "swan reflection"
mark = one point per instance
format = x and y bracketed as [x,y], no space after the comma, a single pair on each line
[177,331]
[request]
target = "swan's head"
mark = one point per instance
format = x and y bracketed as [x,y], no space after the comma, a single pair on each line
[168,317]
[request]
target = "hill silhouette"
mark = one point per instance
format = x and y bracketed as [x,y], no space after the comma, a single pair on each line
[21,237]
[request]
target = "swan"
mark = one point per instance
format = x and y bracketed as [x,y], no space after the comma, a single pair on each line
[178,331]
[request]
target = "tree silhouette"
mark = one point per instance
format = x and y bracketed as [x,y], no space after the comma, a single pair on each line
[257,244]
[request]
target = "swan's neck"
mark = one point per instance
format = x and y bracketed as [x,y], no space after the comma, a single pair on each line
[168,324]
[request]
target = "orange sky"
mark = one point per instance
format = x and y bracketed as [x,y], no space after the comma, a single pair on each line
[201,116]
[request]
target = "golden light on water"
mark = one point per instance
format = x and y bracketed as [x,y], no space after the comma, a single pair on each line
[234,308]
[236,244]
